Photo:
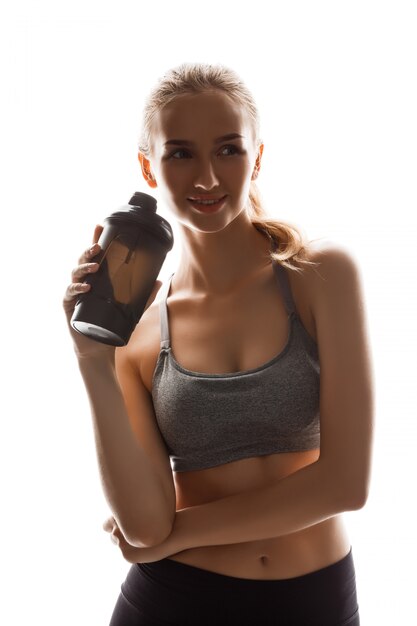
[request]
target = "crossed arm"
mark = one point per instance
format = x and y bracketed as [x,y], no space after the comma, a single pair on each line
[306,497]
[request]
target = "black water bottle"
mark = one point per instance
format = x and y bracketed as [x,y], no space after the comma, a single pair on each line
[135,241]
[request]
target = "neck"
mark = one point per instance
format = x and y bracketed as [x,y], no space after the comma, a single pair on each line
[219,263]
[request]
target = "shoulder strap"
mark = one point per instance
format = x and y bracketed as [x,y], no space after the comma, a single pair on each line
[285,288]
[163,314]
[282,279]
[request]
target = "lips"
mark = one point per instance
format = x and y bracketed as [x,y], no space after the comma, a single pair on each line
[211,207]
[216,198]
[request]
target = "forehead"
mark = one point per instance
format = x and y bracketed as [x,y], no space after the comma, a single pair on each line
[208,114]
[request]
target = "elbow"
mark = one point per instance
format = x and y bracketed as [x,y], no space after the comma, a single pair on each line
[348,492]
[151,536]
[361,498]
[147,529]
[358,486]
[355,497]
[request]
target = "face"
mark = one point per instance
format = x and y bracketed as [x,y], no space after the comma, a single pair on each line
[206,165]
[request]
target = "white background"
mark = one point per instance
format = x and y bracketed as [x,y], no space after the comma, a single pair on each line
[335,83]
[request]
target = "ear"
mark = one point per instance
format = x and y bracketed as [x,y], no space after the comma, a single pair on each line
[258,162]
[146,170]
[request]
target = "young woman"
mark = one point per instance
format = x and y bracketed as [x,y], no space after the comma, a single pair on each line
[235,427]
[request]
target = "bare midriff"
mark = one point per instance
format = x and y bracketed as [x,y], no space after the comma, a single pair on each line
[280,557]
[203,326]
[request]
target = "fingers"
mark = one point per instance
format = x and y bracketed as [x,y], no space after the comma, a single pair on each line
[86,263]
[130,553]
[93,250]
[82,270]
[109,524]
[72,291]
[77,275]
[114,535]
[89,253]
[86,266]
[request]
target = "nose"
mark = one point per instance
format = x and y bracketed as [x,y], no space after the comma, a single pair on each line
[206,177]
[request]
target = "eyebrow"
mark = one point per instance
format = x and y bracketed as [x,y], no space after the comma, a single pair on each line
[184,142]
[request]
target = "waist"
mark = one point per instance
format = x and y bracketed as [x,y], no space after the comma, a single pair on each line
[277,558]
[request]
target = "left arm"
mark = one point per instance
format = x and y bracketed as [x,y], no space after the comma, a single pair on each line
[339,480]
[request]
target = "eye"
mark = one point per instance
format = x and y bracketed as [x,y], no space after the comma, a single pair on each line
[177,152]
[234,148]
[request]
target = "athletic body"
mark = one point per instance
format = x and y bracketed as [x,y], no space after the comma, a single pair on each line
[261,536]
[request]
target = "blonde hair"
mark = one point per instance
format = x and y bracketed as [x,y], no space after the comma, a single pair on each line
[292,249]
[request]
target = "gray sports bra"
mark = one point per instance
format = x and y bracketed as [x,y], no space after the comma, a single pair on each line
[211,419]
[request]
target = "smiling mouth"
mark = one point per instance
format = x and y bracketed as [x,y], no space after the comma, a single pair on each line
[207,207]
[206,200]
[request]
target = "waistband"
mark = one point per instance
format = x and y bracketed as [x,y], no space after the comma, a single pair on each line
[189,574]
[167,591]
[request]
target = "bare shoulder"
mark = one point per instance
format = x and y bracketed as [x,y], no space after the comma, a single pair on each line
[334,263]
[330,252]
[334,268]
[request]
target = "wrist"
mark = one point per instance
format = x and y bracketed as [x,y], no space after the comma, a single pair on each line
[97,357]
[98,369]
[180,537]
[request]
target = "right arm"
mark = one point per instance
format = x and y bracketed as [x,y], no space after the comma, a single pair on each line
[133,463]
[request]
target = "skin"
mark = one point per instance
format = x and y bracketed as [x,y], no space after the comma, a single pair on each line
[221,254]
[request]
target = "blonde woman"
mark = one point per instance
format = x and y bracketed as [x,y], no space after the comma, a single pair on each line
[235,427]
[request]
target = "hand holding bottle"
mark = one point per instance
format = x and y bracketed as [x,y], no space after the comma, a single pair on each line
[83,345]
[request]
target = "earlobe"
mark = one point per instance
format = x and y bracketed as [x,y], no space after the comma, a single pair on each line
[150,180]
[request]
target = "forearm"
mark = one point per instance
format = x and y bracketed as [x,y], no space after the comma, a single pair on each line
[302,499]
[131,485]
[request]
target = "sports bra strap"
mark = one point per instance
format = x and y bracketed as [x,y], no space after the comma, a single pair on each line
[285,288]
[282,278]
[163,314]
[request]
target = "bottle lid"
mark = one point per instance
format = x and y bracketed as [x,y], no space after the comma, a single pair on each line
[143,201]
[141,211]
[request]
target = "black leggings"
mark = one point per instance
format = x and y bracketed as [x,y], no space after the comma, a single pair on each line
[168,592]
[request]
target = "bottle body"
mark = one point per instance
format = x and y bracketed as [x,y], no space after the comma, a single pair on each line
[134,244]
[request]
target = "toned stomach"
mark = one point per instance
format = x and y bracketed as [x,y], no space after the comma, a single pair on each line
[287,556]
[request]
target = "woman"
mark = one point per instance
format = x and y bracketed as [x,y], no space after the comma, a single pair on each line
[235,427]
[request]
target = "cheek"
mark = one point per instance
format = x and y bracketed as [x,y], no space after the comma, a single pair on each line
[241,169]
[174,177]
[242,176]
